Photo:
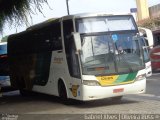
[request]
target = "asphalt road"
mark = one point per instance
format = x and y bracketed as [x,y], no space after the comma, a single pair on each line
[40,106]
[153,84]
[152,88]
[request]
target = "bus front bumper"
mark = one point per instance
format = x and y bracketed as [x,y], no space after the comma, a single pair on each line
[99,92]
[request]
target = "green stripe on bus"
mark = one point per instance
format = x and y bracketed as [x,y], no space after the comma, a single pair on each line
[126,77]
[131,77]
[121,78]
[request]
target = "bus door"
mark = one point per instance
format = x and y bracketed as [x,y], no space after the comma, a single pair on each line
[50,46]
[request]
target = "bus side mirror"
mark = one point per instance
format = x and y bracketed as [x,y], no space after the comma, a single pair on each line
[144,47]
[77,41]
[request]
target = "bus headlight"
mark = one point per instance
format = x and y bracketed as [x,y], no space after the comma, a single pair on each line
[141,77]
[91,83]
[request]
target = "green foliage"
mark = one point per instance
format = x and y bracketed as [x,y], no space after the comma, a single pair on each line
[150,23]
[16,11]
[4,39]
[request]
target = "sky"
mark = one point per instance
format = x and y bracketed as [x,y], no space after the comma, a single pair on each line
[57,8]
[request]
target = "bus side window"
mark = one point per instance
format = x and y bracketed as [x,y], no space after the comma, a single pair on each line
[55,37]
[46,41]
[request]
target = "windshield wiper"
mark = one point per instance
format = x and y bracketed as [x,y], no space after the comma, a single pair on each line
[125,61]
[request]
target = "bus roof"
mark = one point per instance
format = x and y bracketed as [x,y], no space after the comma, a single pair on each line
[43,24]
[53,20]
[35,27]
[83,15]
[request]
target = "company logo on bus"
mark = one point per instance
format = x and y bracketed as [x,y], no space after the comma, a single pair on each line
[117,79]
[74,89]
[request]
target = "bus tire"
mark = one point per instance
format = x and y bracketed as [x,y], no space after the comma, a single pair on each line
[62,92]
[23,92]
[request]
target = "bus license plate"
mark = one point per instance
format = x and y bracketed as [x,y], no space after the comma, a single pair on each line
[118,90]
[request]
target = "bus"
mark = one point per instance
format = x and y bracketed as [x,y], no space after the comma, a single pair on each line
[155,53]
[3,56]
[4,67]
[147,44]
[82,57]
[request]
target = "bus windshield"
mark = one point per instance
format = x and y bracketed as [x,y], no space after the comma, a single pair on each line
[111,54]
[105,24]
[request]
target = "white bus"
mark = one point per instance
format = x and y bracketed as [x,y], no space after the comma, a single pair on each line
[147,44]
[83,57]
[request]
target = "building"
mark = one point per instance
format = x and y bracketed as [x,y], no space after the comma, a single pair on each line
[154,11]
[142,9]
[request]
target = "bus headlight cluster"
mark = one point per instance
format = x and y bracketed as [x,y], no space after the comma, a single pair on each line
[141,77]
[91,83]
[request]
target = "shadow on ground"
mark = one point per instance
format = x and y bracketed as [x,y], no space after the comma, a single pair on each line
[14,98]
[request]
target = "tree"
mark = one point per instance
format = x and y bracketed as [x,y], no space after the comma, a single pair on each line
[16,11]
[151,23]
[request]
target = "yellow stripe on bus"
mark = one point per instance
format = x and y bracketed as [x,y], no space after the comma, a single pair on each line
[107,80]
